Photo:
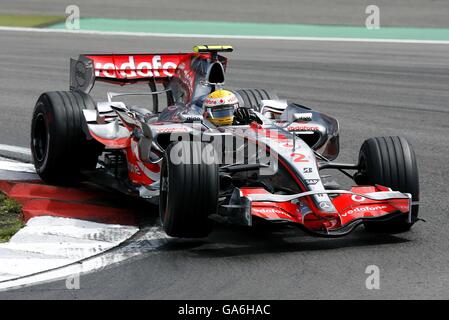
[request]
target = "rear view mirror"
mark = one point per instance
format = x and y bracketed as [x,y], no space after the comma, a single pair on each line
[302,116]
[295,113]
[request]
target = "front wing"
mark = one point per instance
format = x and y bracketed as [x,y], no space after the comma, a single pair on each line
[360,204]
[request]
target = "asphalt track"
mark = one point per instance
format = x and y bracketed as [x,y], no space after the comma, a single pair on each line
[374,89]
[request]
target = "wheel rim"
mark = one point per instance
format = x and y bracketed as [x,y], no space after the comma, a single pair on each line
[40,138]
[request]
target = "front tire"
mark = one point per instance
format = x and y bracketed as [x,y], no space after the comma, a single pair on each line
[390,162]
[59,145]
[189,189]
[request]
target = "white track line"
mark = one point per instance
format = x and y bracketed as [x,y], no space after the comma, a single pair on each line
[47,243]
[16,166]
[15,149]
[219,36]
[151,240]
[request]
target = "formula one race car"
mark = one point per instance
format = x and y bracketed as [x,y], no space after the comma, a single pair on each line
[268,169]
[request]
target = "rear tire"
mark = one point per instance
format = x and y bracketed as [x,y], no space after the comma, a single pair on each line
[251,98]
[59,143]
[188,190]
[390,162]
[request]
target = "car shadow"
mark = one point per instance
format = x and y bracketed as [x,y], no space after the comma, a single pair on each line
[230,241]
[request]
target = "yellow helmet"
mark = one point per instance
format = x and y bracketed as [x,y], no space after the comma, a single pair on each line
[219,107]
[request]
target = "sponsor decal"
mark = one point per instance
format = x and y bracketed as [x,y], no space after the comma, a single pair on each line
[220,101]
[312,181]
[364,209]
[358,198]
[135,66]
[270,211]
[302,127]
[171,130]
[307,170]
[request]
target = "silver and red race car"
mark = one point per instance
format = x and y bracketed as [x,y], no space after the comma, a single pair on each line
[267,169]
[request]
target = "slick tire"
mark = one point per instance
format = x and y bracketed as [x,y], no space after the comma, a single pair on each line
[390,162]
[251,98]
[59,145]
[188,189]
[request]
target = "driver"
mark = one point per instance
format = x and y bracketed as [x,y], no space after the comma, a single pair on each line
[222,108]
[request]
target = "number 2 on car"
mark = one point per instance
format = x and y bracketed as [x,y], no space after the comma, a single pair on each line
[299,157]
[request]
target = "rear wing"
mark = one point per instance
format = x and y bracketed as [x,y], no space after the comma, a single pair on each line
[123,68]
[129,68]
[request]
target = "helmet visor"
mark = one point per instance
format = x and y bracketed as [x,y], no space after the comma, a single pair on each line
[219,112]
[221,115]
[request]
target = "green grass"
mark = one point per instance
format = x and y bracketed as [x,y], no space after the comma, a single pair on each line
[29,20]
[10,217]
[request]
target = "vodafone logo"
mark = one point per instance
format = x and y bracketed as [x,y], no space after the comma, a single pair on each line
[131,68]
[364,209]
[219,101]
[270,211]
[302,128]
[210,101]
[358,198]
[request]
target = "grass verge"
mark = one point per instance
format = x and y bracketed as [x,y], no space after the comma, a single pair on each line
[10,217]
[29,20]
